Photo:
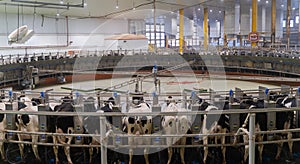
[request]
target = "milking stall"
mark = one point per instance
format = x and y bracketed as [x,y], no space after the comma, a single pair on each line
[150,81]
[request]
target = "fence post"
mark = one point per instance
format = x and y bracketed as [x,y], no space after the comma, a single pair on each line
[252,139]
[104,144]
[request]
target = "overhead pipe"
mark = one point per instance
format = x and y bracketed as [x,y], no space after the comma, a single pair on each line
[35,6]
[50,4]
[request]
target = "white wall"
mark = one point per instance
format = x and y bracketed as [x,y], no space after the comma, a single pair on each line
[52,31]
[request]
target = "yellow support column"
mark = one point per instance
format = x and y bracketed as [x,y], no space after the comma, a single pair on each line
[224,29]
[205,28]
[181,26]
[273,22]
[254,19]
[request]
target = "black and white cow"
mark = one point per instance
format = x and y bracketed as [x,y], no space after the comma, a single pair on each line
[212,124]
[284,121]
[138,125]
[27,123]
[178,125]
[2,127]
[63,125]
[92,124]
[260,124]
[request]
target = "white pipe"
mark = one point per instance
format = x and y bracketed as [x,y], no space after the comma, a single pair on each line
[252,139]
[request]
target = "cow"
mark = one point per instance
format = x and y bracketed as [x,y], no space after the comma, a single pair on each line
[63,125]
[27,123]
[91,124]
[213,124]
[260,125]
[178,125]
[138,125]
[2,127]
[284,121]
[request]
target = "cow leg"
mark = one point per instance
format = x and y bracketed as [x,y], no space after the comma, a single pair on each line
[146,155]
[280,145]
[170,153]
[2,137]
[205,143]
[130,155]
[183,142]
[246,153]
[290,143]
[67,148]
[35,139]
[21,146]
[223,148]
[55,149]
[260,147]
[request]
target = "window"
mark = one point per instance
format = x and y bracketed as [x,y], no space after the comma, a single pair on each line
[291,23]
[297,19]
[159,36]
[283,23]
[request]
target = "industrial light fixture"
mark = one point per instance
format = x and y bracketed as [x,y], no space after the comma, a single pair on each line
[61,2]
[210,10]
[199,9]
[282,5]
[267,2]
[294,8]
[133,6]
[220,11]
[117,5]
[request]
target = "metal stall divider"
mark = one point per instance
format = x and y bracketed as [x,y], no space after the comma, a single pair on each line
[298,105]
[263,94]
[196,120]
[234,122]
[12,105]
[43,107]
[117,122]
[79,107]
[156,124]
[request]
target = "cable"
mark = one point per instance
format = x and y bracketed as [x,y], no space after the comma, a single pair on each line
[33,21]
[6,20]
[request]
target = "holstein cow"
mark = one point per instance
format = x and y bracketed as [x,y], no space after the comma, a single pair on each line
[64,125]
[27,123]
[284,120]
[178,125]
[260,124]
[138,125]
[2,127]
[92,125]
[60,124]
[213,124]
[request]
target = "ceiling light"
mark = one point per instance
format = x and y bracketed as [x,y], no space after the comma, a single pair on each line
[210,10]
[258,0]
[61,2]
[199,9]
[220,11]
[57,14]
[117,5]
[216,20]
[267,2]
[84,4]
[294,8]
